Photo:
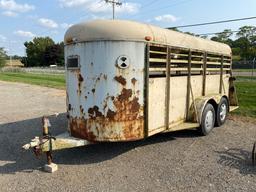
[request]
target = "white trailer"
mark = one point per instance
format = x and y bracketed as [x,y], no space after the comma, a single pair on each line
[127,81]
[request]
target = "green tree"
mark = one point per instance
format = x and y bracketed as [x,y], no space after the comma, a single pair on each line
[246,42]
[2,57]
[243,45]
[193,34]
[247,31]
[175,29]
[54,54]
[224,37]
[35,51]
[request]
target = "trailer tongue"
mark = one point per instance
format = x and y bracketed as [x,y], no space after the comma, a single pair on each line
[48,143]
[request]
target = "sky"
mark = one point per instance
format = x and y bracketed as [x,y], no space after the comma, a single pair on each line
[22,20]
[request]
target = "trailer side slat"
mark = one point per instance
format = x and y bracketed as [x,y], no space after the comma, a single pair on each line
[174,69]
[158,52]
[157,60]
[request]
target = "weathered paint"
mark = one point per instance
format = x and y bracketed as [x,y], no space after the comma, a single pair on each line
[232,92]
[62,141]
[105,102]
[177,106]
[200,102]
[110,96]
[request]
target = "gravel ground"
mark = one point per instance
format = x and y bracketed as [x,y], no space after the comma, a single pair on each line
[178,161]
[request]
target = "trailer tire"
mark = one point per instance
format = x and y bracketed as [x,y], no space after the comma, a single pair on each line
[222,111]
[207,120]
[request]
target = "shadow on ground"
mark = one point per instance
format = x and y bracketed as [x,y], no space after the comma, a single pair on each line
[239,159]
[13,135]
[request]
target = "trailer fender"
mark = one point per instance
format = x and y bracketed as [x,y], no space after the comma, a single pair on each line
[197,107]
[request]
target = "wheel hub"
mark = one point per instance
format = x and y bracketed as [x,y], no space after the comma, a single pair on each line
[223,112]
[209,120]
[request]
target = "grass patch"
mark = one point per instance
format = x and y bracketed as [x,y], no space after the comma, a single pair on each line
[47,80]
[246,92]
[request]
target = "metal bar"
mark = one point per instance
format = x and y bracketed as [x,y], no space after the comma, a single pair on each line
[231,65]
[146,89]
[49,157]
[167,89]
[188,85]
[254,154]
[204,73]
[46,123]
[186,61]
[253,62]
[158,52]
[113,10]
[221,75]
[174,69]
[223,86]
[213,63]
[194,103]
[157,60]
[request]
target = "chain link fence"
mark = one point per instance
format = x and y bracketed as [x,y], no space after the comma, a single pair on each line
[44,70]
[244,68]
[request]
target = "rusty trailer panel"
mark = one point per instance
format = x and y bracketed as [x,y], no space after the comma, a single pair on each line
[105,91]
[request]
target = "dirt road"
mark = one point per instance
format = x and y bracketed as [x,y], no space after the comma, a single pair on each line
[180,161]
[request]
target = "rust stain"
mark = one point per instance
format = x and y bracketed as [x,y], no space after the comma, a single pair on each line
[125,94]
[94,112]
[105,105]
[108,130]
[134,81]
[81,109]
[125,123]
[111,114]
[135,106]
[78,129]
[120,80]
[80,80]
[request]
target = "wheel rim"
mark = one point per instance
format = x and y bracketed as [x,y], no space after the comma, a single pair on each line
[209,120]
[223,112]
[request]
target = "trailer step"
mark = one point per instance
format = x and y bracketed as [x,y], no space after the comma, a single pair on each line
[182,126]
[232,108]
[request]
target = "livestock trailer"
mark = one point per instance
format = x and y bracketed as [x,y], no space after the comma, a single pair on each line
[126,81]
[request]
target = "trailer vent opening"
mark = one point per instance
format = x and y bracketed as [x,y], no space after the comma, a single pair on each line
[179,58]
[73,62]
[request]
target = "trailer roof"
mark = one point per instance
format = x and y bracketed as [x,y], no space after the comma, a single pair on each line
[133,31]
